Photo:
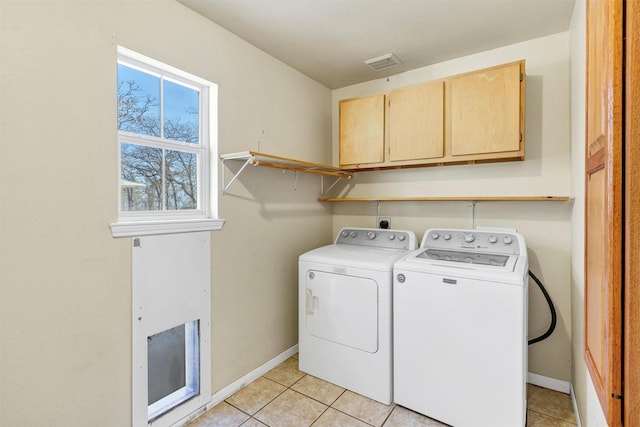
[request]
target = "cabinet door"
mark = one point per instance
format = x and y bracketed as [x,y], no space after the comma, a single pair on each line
[416,122]
[631,274]
[362,130]
[486,111]
[603,205]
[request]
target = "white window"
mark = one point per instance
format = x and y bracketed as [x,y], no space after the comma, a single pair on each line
[166,142]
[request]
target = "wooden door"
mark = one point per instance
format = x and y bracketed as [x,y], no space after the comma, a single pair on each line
[632,217]
[362,129]
[603,205]
[416,122]
[486,111]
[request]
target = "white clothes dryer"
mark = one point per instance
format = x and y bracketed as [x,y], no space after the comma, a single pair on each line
[345,303]
[460,328]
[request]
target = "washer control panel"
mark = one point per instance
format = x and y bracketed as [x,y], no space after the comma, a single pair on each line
[500,242]
[378,238]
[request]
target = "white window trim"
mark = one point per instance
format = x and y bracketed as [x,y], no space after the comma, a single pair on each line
[148,228]
[203,219]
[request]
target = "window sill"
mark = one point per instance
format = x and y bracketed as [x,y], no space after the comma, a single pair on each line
[147,228]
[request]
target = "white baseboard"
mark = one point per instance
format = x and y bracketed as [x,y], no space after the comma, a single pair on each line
[251,376]
[575,407]
[548,382]
[221,395]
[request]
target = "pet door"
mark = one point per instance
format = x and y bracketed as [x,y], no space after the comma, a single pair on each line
[173,368]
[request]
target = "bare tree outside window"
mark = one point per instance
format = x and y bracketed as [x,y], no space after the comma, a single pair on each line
[153,177]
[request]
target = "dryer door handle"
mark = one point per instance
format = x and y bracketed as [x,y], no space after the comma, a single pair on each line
[309,301]
[313,303]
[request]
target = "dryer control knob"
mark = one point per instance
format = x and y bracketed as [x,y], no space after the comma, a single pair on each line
[493,239]
[353,234]
[401,237]
[447,236]
[469,237]
[371,235]
[392,236]
[435,236]
[344,234]
[507,240]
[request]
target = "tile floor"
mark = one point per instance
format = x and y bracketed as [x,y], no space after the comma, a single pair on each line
[287,397]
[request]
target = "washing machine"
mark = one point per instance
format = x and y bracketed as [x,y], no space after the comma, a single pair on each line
[460,328]
[345,303]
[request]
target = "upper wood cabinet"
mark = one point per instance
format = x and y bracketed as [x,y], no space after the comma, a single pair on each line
[416,122]
[486,111]
[473,117]
[362,129]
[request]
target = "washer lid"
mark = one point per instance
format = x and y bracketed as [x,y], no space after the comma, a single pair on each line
[513,271]
[465,257]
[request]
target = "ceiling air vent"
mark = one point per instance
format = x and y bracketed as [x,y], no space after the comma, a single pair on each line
[383,62]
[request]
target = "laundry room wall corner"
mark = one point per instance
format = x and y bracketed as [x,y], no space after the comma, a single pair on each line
[546,170]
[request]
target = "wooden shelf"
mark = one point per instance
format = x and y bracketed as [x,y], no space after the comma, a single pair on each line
[255,158]
[450,199]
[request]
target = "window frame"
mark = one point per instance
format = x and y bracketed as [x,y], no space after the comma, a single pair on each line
[204,217]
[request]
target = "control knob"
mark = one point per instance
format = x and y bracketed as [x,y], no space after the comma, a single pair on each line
[493,239]
[401,237]
[507,240]
[435,236]
[371,235]
[344,234]
[353,234]
[392,236]
[469,237]
[447,236]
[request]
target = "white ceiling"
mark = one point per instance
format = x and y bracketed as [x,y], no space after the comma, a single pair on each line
[329,40]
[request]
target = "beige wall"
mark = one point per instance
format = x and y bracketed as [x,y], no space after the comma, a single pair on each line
[586,399]
[65,292]
[545,171]
[65,296]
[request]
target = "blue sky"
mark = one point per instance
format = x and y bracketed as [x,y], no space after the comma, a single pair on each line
[178,99]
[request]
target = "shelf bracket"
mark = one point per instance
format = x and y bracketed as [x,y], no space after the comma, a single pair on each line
[324,190]
[237,174]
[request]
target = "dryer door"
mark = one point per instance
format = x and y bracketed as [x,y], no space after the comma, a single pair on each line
[342,309]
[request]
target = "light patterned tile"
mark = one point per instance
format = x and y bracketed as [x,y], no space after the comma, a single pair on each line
[318,389]
[363,408]
[291,409]
[403,417]
[256,395]
[222,415]
[286,373]
[536,419]
[333,418]
[550,402]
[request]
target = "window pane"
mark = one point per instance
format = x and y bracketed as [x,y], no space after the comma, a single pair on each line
[182,180]
[141,178]
[138,102]
[181,113]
